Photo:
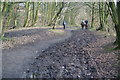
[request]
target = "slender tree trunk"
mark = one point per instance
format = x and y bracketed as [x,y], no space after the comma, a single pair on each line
[1,18]
[9,15]
[28,12]
[53,22]
[93,6]
[101,16]
[3,27]
[114,16]
[6,16]
[118,12]
[36,13]
[33,13]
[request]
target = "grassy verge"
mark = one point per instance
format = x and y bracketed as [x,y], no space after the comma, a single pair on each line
[92,29]
[4,38]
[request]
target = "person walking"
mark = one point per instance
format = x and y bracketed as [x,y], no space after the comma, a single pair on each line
[86,24]
[83,24]
[64,24]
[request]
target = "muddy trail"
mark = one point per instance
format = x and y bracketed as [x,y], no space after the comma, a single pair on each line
[24,46]
[80,56]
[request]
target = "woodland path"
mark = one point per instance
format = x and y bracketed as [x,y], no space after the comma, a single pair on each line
[83,55]
[18,53]
[76,54]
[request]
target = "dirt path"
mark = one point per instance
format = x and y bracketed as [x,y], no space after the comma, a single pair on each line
[80,56]
[22,50]
[45,54]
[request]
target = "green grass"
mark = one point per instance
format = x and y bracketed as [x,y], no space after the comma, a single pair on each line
[91,29]
[5,39]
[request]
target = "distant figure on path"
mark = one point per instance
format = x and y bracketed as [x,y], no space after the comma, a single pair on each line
[64,24]
[86,25]
[83,24]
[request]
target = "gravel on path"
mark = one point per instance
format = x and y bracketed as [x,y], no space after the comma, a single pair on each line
[24,47]
[76,57]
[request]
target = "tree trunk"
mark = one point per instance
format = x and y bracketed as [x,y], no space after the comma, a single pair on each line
[93,6]
[27,16]
[33,13]
[101,16]
[3,11]
[118,31]
[36,13]
[114,16]
[53,22]
[6,16]
[1,18]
